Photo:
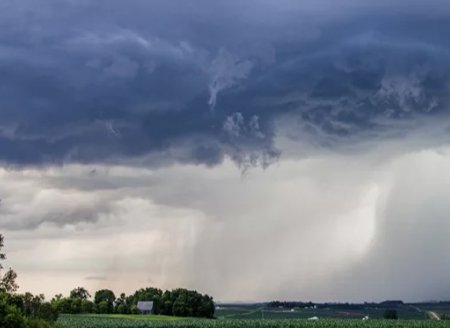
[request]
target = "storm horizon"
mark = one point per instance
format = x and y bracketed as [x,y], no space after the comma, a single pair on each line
[251,150]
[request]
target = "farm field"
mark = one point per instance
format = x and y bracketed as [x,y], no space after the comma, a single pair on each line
[82,321]
[125,316]
[261,315]
[112,320]
[255,311]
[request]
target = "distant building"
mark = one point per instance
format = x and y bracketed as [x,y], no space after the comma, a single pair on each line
[145,307]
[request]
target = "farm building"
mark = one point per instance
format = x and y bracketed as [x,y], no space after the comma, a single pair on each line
[145,307]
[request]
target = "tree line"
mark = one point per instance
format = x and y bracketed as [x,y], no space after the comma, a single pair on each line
[178,302]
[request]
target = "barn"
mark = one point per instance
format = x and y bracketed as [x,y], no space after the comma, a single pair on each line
[145,307]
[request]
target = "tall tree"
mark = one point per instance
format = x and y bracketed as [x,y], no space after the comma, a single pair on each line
[2,255]
[104,299]
[121,305]
[8,282]
[104,295]
[80,292]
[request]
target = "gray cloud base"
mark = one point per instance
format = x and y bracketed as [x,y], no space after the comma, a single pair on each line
[329,228]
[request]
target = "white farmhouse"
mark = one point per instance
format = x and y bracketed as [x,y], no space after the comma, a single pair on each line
[145,307]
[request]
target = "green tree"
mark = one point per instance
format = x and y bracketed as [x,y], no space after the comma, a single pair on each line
[32,303]
[206,308]
[47,312]
[75,307]
[122,304]
[80,293]
[87,306]
[102,297]
[103,307]
[183,302]
[57,297]
[134,309]
[2,255]
[62,305]
[121,309]
[8,282]
[166,303]
[14,319]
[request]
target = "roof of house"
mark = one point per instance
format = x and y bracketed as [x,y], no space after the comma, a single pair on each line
[145,306]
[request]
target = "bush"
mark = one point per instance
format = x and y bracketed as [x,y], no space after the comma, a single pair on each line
[122,309]
[47,312]
[134,309]
[14,319]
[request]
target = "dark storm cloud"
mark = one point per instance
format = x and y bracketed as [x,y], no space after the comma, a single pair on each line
[103,81]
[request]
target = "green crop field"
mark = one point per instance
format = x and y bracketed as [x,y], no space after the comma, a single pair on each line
[253,311]
[114,321]
[123,316]
[111,320]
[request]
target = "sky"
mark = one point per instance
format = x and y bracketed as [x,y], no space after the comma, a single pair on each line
[251,150]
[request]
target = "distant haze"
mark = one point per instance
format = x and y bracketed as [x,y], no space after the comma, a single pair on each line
[252,150]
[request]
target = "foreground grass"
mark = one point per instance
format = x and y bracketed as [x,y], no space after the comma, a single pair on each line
[130,321]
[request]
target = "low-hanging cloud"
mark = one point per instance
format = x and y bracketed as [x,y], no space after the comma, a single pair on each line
[252,238]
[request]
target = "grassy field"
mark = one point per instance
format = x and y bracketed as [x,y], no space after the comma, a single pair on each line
[113,321]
